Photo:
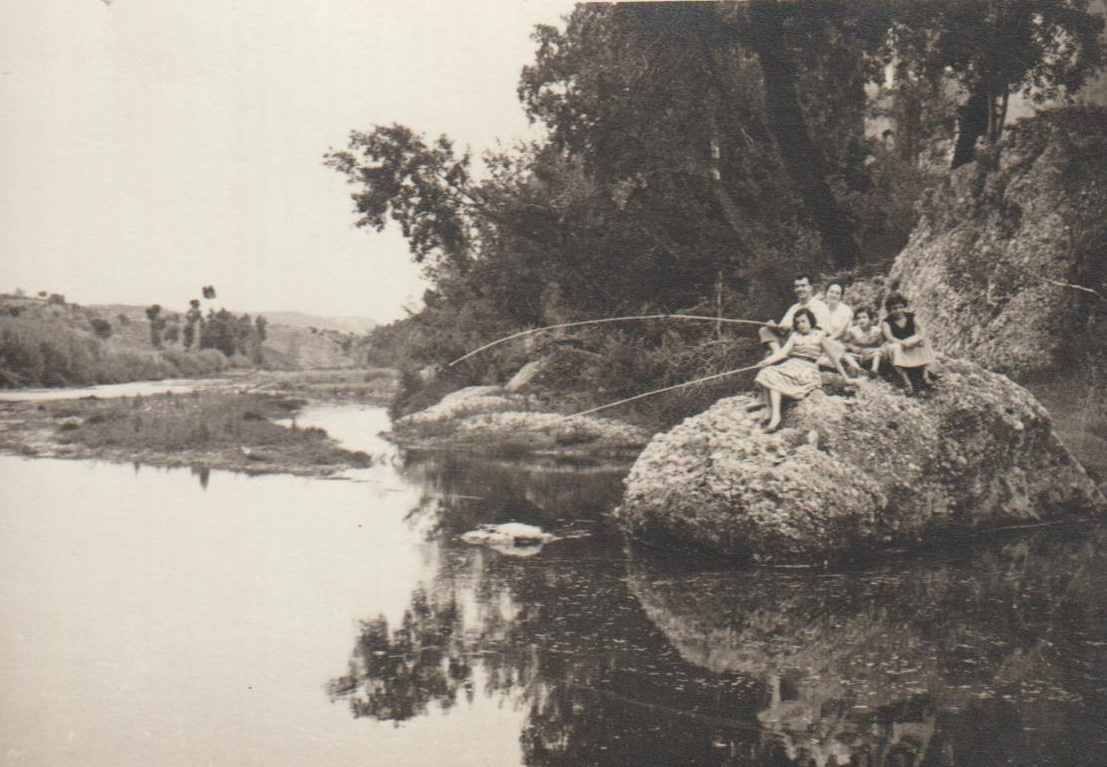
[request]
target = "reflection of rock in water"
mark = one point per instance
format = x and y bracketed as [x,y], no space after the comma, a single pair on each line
[463,493]
[755,668]
[561,640]
[869,664]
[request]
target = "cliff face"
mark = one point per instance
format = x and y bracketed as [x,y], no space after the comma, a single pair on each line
[847,475]
[986,266]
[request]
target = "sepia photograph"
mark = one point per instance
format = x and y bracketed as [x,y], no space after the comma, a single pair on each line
[534,383]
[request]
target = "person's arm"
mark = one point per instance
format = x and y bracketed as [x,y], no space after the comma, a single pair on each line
[886,329]
[822,314]
[787,321]
[916,339]
[779,355]
[829,350]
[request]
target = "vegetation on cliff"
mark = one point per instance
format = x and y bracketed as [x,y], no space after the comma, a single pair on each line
[1007,263]
[695,157]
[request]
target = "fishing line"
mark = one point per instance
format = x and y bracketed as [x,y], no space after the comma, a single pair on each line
[532,331]
[659,391]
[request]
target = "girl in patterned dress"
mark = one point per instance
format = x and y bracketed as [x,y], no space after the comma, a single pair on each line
[793,371]
[864,341]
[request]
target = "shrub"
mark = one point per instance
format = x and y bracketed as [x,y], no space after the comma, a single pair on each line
[47,352]
[102,328]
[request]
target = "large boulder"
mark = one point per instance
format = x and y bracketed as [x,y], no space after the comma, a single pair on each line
[1000,243]
[849,474]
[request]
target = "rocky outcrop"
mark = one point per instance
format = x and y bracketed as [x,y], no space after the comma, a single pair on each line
[987,266]
[849,474]
[491,418]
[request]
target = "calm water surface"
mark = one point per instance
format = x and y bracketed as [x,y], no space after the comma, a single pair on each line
[184,618]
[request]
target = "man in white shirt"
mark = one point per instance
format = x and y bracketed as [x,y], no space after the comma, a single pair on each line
[775,334]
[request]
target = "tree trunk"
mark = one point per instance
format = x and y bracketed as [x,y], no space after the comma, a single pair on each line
[804,163]
[972,123]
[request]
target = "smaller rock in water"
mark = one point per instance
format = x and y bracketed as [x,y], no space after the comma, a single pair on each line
[512,538]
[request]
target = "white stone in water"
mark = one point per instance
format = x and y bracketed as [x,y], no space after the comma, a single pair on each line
[512,538]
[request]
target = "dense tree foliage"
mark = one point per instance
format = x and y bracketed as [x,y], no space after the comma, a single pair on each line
[697,154]
[232,335]
[1044,49]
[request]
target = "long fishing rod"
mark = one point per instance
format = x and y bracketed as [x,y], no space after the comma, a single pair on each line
[522,333]
[659,391]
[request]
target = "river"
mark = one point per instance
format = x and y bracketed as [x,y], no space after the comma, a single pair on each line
[176,617]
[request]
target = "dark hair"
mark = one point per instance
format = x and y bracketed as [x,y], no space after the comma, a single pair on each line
[895,299]
[799,277]
[810,315]
[864,310]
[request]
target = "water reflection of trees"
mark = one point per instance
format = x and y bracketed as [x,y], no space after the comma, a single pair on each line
[563,641]
[890,667]
[396,675]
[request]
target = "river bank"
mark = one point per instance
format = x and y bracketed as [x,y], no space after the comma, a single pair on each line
[236,425]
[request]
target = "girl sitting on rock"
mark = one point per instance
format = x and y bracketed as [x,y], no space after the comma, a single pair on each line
[793,371]
[864,341]
[906,346]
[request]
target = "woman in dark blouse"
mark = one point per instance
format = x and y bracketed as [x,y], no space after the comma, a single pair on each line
[906,346]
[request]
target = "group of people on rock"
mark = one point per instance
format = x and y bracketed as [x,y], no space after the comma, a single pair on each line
[827,333]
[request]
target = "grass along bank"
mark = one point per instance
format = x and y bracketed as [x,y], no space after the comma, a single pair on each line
[375,386]
[219,430]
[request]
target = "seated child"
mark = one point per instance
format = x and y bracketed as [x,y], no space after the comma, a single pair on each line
[864,341]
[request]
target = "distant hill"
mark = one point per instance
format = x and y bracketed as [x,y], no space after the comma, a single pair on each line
[350,324]
[119,331]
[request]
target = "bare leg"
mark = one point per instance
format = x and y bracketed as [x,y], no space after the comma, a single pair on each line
[774,402]
[766,403]
[907,386]
[851,364]
[762,402]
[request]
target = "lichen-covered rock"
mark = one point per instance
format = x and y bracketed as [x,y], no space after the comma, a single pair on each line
[850,474]
[490,417]
[987,264]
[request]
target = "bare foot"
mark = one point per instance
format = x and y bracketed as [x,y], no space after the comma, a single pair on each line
[772,425]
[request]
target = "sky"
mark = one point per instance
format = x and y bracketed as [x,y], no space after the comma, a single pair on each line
[150,148]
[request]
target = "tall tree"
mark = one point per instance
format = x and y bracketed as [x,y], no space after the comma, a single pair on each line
[424,187]
[157,324]
[1043,49]
[794,40]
